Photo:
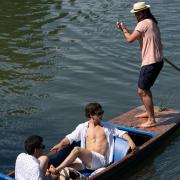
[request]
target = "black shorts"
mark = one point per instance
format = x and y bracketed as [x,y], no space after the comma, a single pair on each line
[148,75]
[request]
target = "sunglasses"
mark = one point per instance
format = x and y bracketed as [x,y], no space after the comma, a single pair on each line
[99,113]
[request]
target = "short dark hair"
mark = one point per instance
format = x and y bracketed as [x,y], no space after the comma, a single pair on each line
[32,142]
[92,109]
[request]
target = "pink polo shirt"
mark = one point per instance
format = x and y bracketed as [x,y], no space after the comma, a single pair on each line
[151,47]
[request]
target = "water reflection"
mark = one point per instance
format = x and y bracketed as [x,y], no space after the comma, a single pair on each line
[27,57]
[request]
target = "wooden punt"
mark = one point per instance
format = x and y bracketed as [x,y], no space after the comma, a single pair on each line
[168,121]
[147,139]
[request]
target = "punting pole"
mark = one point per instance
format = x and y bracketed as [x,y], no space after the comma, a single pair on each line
[173,65]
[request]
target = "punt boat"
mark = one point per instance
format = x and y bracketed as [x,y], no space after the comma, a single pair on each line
[146,139]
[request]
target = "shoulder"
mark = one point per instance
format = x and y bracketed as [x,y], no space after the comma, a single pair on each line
[107,125]
[145,22]
[82,125]
[143,25]
[113,128]
[22,156]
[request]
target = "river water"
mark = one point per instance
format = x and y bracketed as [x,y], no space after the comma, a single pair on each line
[58,55]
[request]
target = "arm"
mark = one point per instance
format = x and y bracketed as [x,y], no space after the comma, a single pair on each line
[62,144]
[130,141]
[74,136]
[130,37]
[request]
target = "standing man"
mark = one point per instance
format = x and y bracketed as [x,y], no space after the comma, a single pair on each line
[32,165]
[97,142]
[148,34]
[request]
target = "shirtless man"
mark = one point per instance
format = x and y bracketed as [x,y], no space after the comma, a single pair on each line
[97,142]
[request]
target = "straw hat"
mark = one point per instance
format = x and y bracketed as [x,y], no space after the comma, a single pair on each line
[139,6]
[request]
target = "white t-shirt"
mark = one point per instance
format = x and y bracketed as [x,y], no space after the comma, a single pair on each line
[28,168]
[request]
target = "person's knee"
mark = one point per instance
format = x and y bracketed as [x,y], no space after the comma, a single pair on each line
[142,92]
[76,150]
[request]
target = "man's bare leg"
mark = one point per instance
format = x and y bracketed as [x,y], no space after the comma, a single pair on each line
[146,97]
[84,154]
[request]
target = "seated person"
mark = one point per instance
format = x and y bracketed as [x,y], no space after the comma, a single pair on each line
[97,142]
[32,165]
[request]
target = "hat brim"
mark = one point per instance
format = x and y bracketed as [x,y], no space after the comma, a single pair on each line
[138,10]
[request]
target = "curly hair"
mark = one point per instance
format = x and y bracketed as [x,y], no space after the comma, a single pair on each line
[92,109]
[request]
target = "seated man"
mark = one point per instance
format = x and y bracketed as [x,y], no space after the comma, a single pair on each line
[33,164]
[97,142]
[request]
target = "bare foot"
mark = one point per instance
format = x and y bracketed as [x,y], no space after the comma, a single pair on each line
[145,115]
[52,170]
[147,124]
[142,115]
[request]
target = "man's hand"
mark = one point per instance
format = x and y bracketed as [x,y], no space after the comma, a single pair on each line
[56,148]
[132,146]
[53,170]
[62,144]
[120,26]
[130,142]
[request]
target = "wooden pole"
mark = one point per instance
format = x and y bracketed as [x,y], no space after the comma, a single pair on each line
[173,65]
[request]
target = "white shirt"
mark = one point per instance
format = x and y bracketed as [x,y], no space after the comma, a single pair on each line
[28,168]
[79,134]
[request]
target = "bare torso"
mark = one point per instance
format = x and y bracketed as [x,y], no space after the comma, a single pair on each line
[96,139]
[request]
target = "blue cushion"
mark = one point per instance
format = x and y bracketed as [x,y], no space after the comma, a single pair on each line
[86,172]
[121,149]
[4,177]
